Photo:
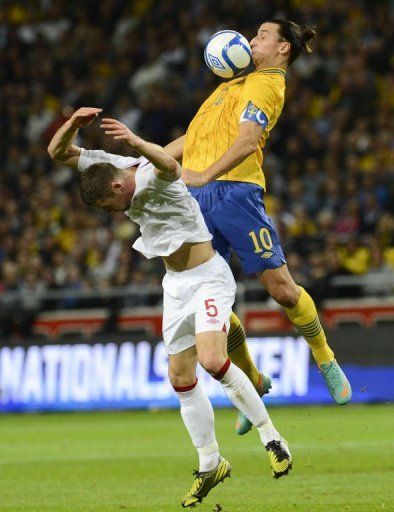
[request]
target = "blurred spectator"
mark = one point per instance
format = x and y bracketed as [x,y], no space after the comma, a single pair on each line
[354,257]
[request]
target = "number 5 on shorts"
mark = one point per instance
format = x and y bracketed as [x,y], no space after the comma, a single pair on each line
[211,309]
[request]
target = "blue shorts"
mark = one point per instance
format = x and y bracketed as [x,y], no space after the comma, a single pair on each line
[236,217]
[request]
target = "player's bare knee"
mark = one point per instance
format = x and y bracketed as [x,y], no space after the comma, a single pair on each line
[180,379]
[212,363]
[285,294]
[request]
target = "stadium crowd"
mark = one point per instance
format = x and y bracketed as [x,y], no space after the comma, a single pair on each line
[329,161]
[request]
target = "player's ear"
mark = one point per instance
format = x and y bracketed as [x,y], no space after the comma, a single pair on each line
[284,48]
[116,186]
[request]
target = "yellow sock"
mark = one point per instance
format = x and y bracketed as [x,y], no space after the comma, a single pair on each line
[238,350]
[305,319]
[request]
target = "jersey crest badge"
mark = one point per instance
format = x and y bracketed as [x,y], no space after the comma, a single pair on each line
[251,110]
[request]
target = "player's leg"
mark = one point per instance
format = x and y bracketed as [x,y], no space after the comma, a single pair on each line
[198,417]
[212,355]
[253,236]
[213,302]
[196,409]
[238,352]
[233,217]
[209,198]
[301,311]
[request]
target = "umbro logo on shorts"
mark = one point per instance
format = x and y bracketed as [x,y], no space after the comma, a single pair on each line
[213,321]
[267,254]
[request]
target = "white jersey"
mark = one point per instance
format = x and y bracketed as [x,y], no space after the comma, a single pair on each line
[167,214]
[96,156]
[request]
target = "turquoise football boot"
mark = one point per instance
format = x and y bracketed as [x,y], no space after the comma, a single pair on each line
[337,383]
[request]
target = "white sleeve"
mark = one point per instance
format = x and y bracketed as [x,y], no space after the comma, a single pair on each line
[89,157]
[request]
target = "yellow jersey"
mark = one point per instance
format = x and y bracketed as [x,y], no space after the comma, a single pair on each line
[216,125]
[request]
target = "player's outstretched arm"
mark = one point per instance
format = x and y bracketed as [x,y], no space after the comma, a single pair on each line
[167,167]
[244,145]
[61,147]
[175,148]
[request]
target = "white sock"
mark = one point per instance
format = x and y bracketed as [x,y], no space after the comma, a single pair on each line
[197,415]
[268,432]
[243,395]
[208,456]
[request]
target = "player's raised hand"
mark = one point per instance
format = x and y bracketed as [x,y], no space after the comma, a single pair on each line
[119,131]
[193,178]
[84,116]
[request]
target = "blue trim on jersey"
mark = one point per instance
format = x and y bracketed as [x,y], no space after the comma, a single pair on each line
[233,211]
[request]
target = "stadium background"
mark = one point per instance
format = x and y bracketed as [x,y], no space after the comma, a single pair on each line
[80,312]
[68,275]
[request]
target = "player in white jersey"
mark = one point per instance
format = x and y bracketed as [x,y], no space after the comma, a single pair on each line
[199,288]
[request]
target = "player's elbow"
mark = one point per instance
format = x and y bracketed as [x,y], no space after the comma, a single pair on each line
[169,169]
[51,151]
[54,153]
[249,138]
[172,166]
[249,146]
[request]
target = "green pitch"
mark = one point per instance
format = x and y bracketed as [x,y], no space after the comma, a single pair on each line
[142,462]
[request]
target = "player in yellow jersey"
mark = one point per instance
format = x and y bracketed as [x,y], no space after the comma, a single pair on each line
[222,155]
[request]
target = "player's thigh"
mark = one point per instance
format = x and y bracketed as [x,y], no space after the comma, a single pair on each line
[244,223]
[213,306]
[214,298]
[178,315]
[182,367]
[212,350]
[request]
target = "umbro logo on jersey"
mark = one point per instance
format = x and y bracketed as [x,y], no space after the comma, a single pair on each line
[213,321]
[267,254]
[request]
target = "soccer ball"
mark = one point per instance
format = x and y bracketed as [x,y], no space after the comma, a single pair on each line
[227,53]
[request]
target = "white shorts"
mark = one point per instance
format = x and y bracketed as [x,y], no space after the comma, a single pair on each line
[196,300]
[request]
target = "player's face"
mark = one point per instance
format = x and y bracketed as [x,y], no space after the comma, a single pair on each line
[266,44]
[122,193]
[115,203]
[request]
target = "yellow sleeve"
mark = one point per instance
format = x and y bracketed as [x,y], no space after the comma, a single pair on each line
[257,93]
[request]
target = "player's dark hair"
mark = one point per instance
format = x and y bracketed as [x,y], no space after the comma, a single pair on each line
[297,35]
[95,182]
